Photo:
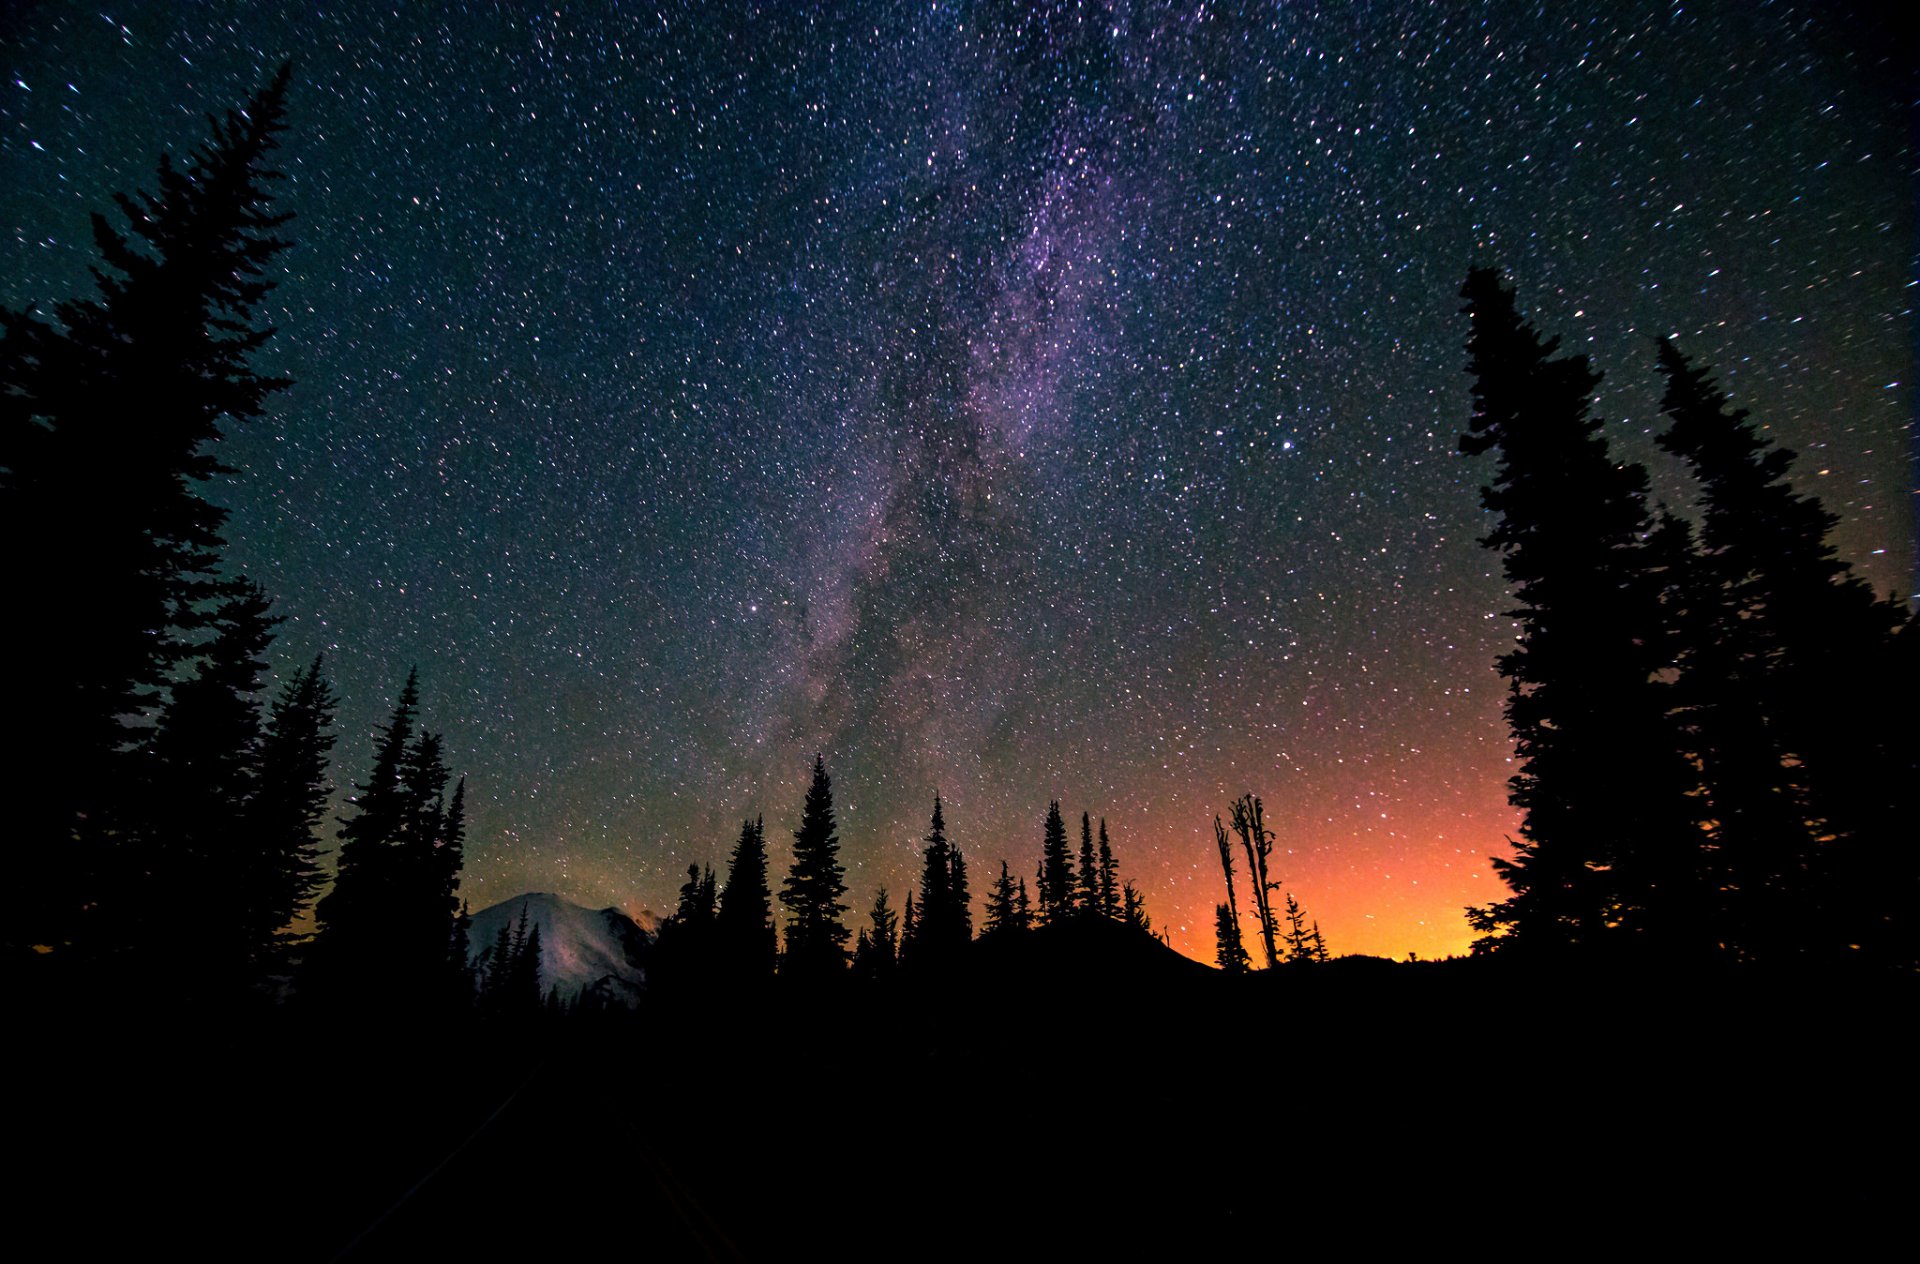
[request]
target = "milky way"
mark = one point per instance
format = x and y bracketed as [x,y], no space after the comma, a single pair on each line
[1020,401]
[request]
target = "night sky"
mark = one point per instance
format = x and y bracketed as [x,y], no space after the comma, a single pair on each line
[1024,401]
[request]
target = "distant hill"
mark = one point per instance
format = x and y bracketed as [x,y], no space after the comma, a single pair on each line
[579,947]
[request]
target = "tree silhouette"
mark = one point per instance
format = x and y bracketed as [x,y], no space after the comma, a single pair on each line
[745,940]
[1229,952]
[384,928]
[290,795]
[106,413]
[878,949]
[1086,894]
[1004,915]
[1609,849]
[1256,840]
[1782,665]
[816,937]
[943,924]
[1109,876]
[1056,870]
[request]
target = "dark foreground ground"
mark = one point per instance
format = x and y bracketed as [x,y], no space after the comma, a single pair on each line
[1160,1115]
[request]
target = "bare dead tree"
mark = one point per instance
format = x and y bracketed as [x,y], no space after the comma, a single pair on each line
[1249,823]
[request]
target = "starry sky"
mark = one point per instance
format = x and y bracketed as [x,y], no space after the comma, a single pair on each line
[1018,400]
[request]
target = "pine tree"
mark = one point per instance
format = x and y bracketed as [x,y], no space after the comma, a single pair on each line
[745,942]
[1003,911]
[106,413]
[1229,952]
[1783,675]
[1022,908]
[289,797]
[1298,938]
[962,910]
[1609,855]
[1086,895]
[879,946]
[816,937]
[1056,870]
[200,772]
[1109,876]
[1319,945]
[937,926]
[1133,910]
[383,929]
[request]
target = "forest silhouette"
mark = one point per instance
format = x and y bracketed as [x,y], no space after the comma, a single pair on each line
[1711,903]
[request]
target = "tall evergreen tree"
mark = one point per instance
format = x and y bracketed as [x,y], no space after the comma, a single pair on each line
[200,772]
[1056,870]
[1022,908]
[1086,894]
[1784,673]
[745,939]
[878,950]
[383,929]
[816,937]
[1609,853]
[1109,876]
[962,896]
[1003,912]
[1229,952]
[1298,938]
[938,924]
[107,411]
[289,797]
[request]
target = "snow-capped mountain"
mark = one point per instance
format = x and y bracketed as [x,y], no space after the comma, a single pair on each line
[579,947]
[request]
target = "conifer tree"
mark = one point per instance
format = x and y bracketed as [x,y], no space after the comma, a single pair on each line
[289,797]
[1133,910]
[1022,908]
[1609,854]
[962,897]
[1003,912]
[1086,895]
[107,411]
[1298,938]
[937,925]
[1229,952]
[816,937]
[1109,876]
[1319,944]
[745,940]
[879,945]
[384,927]
[1056,870]
[1783,676]
[201,770]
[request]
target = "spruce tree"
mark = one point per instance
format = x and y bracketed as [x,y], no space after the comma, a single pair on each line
[745,943]
[1784,670]
[1298,938]
[289,797]
[878,949]
[934,931]
[200,771]
[1086,894]
[1229,952]
[1133,910]
[383,929]
[1056,870]
[1109,876]
[1002,909]
[107,411]
[816,937]
[961,930]
[1609,854]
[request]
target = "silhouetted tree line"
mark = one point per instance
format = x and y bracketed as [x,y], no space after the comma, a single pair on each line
[724,937]
[1712,714]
